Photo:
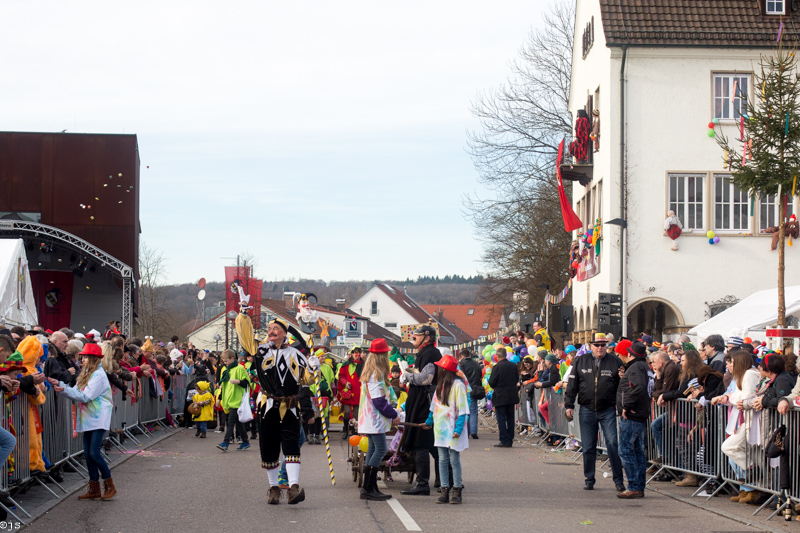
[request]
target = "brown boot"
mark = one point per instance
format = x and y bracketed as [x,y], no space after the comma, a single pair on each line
[747,497]
[274,497]
[295,494]
[92,492]
[689,481]
[109,489]
[740,495]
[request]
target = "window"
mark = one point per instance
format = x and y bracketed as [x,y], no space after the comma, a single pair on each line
[390,325]
[374,308]
[471,311]
[776,7]
[686,199]
[485,325]
[730,206]
[599,198]
[725,85]
[768,212]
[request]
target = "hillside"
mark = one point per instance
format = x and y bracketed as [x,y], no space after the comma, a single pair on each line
[184,306]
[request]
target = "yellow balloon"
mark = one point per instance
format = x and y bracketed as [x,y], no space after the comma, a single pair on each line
[363,444]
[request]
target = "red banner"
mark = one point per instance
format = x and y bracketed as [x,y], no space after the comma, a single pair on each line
[53,293]
[251,286]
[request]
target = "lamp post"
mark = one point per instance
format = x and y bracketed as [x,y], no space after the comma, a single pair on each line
[217,338]
[231,316]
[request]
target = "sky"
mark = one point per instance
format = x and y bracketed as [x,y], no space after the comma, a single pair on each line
[327,140]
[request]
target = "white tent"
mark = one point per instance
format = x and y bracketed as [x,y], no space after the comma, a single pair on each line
[17,307]
[751,316]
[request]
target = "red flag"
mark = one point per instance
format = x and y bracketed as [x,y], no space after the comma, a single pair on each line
[571,220]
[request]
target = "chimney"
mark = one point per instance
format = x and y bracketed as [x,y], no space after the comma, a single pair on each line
[340,304]
[287,299]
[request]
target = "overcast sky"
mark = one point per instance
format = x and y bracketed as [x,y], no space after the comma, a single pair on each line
[327,139]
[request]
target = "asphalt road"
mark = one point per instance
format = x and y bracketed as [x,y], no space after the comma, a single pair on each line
[184,484]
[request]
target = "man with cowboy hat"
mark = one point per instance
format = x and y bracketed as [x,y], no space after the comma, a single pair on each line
[281,370]
[593,382]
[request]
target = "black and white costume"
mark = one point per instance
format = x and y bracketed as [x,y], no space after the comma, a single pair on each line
[281,372]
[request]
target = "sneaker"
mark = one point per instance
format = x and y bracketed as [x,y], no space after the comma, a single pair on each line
[217,431]
[223,446]
[243,446]
[202,436]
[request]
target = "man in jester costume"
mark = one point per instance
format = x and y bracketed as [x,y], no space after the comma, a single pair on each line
[281,370]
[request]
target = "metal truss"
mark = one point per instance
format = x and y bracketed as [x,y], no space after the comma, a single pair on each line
[22,229]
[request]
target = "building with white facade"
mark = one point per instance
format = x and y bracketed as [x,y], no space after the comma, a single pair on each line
[391,307]
[658,75]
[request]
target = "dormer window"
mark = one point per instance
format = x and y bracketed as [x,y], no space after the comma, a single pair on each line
[776,7]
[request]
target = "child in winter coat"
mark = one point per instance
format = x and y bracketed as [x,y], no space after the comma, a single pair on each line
[448,417]
[205,400]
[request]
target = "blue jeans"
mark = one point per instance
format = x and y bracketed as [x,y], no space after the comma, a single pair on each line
[7,442]
[376,449]
[657,426]
[740,474]
[505,423]
[449,459]
[92,442]
[473,416]
[590,423]
[631,452]
[202,427]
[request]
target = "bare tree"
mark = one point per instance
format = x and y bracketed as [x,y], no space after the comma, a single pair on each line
[154,310]
[514,152]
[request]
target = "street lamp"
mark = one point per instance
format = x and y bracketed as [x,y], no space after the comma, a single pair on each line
[230,316]
[217,337]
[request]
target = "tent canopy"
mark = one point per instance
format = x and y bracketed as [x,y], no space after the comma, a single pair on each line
[751,316]
[17,307]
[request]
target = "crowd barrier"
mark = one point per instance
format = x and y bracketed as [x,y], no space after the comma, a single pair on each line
[691,440]
[136,415]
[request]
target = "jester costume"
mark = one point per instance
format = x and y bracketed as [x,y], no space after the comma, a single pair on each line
[281,370]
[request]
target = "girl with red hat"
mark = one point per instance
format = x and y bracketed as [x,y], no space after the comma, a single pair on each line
[92,393]
[448,417]
[375,415]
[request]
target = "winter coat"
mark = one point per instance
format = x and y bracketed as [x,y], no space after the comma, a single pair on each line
[669,380]
[472,370]
[504,382]
[593,384]
[632,394]
[418,401]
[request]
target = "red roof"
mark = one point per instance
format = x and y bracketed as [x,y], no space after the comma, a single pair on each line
[472,324]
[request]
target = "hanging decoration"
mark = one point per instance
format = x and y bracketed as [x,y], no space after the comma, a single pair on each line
[673,227]
[571,220]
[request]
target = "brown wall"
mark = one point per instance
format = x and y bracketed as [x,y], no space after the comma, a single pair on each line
[53,173]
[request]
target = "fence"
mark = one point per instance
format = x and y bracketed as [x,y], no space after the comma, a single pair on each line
[689,438]
[135,414]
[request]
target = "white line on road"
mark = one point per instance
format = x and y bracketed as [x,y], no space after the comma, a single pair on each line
[401,513]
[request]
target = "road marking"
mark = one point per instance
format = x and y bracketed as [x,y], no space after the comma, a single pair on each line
[401,513]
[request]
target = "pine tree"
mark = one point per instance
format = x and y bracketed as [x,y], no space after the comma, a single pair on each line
[764,158]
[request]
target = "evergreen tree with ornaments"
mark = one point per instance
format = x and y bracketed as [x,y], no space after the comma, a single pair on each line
[763,156]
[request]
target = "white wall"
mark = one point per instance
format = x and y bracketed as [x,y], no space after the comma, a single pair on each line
[204,337]
[388,310]
[668,107]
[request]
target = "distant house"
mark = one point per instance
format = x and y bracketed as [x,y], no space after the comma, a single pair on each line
[475,320]
[391,307]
